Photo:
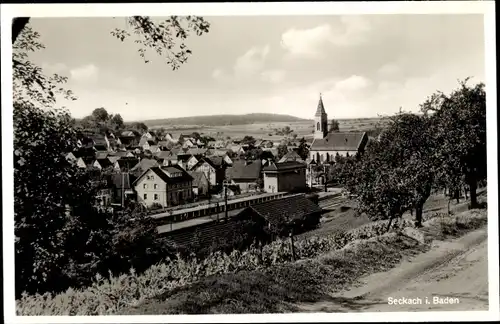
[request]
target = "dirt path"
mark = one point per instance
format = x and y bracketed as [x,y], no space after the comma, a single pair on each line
[456,271]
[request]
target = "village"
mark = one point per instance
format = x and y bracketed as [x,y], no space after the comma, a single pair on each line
[301,169]
[188,184]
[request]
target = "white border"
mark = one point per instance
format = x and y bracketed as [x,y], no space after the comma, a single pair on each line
[218,9]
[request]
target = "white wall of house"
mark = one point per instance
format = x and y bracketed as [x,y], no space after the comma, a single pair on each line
[151,189]
[209,172]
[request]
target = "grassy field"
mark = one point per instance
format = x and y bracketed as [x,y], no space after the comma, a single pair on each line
[263,130]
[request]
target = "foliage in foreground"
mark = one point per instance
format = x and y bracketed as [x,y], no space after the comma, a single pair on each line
[242,277]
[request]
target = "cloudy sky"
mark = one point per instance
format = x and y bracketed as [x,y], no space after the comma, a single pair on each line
[363,65]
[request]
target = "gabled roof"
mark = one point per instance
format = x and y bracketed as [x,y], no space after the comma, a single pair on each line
[197,151]
[216,161]
[183,157]
[104,163]
[123,180]
[162,173]
[127,163]
[283,166]
[101,154]
[243,170]
[291,156]
[345,141]
[197,177]
[294,207]
[145,164]
[164,154]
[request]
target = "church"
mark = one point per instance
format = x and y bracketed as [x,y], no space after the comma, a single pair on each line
[326,145]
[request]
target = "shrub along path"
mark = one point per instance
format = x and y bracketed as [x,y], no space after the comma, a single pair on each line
[309,284]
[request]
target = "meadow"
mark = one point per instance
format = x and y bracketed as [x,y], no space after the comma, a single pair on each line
[266,131]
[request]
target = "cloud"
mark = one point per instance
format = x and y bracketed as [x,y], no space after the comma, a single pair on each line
[54,68]
[273,76]
[129,82]
[87,72]
[389,70]
[251,62]
[353,83]
[218,74]
[310,43]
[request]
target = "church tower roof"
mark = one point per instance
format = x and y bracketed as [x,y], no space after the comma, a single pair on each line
[321,109]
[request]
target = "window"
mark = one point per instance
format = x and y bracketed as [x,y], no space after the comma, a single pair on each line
[156,196]
[152,177]
[145,196]
[317,126]
[145,186]
[156,186]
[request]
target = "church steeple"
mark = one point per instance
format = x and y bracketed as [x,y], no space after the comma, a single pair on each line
[320,120]
[321,109]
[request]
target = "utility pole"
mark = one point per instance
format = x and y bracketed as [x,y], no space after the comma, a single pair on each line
[324,172]
[123,189]
[224,183]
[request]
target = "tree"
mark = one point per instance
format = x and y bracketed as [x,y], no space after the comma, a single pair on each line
[60,236]
[395,174]
[139,127]
[282,151]
[116,122]
[459,126]
[303,149]
[334,126]
[100,115]
[45,185]
[250,140]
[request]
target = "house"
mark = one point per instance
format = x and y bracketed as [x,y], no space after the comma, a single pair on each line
[121,154]
[213,169]
[200,183]
[285,177]
[245,174]
[166,186]
[125,164]
[237,149]
[232,190]
[85,162]
[326,146]
[71,157]
[220,144]
[129,138]
[294,213]
[182,160]
[211,144]
[225,157]
[143,165]
[123,191]
[101,155]
[147,143]
[154,148]
[192,161]
[197,151]
[188,143]
[102,164]
[171,138]
[291,156]
[165,145]
[272,150]
[100,142]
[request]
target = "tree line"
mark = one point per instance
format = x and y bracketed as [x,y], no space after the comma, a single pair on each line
[441,148]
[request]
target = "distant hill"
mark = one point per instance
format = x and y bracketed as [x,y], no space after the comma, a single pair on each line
[221,120]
